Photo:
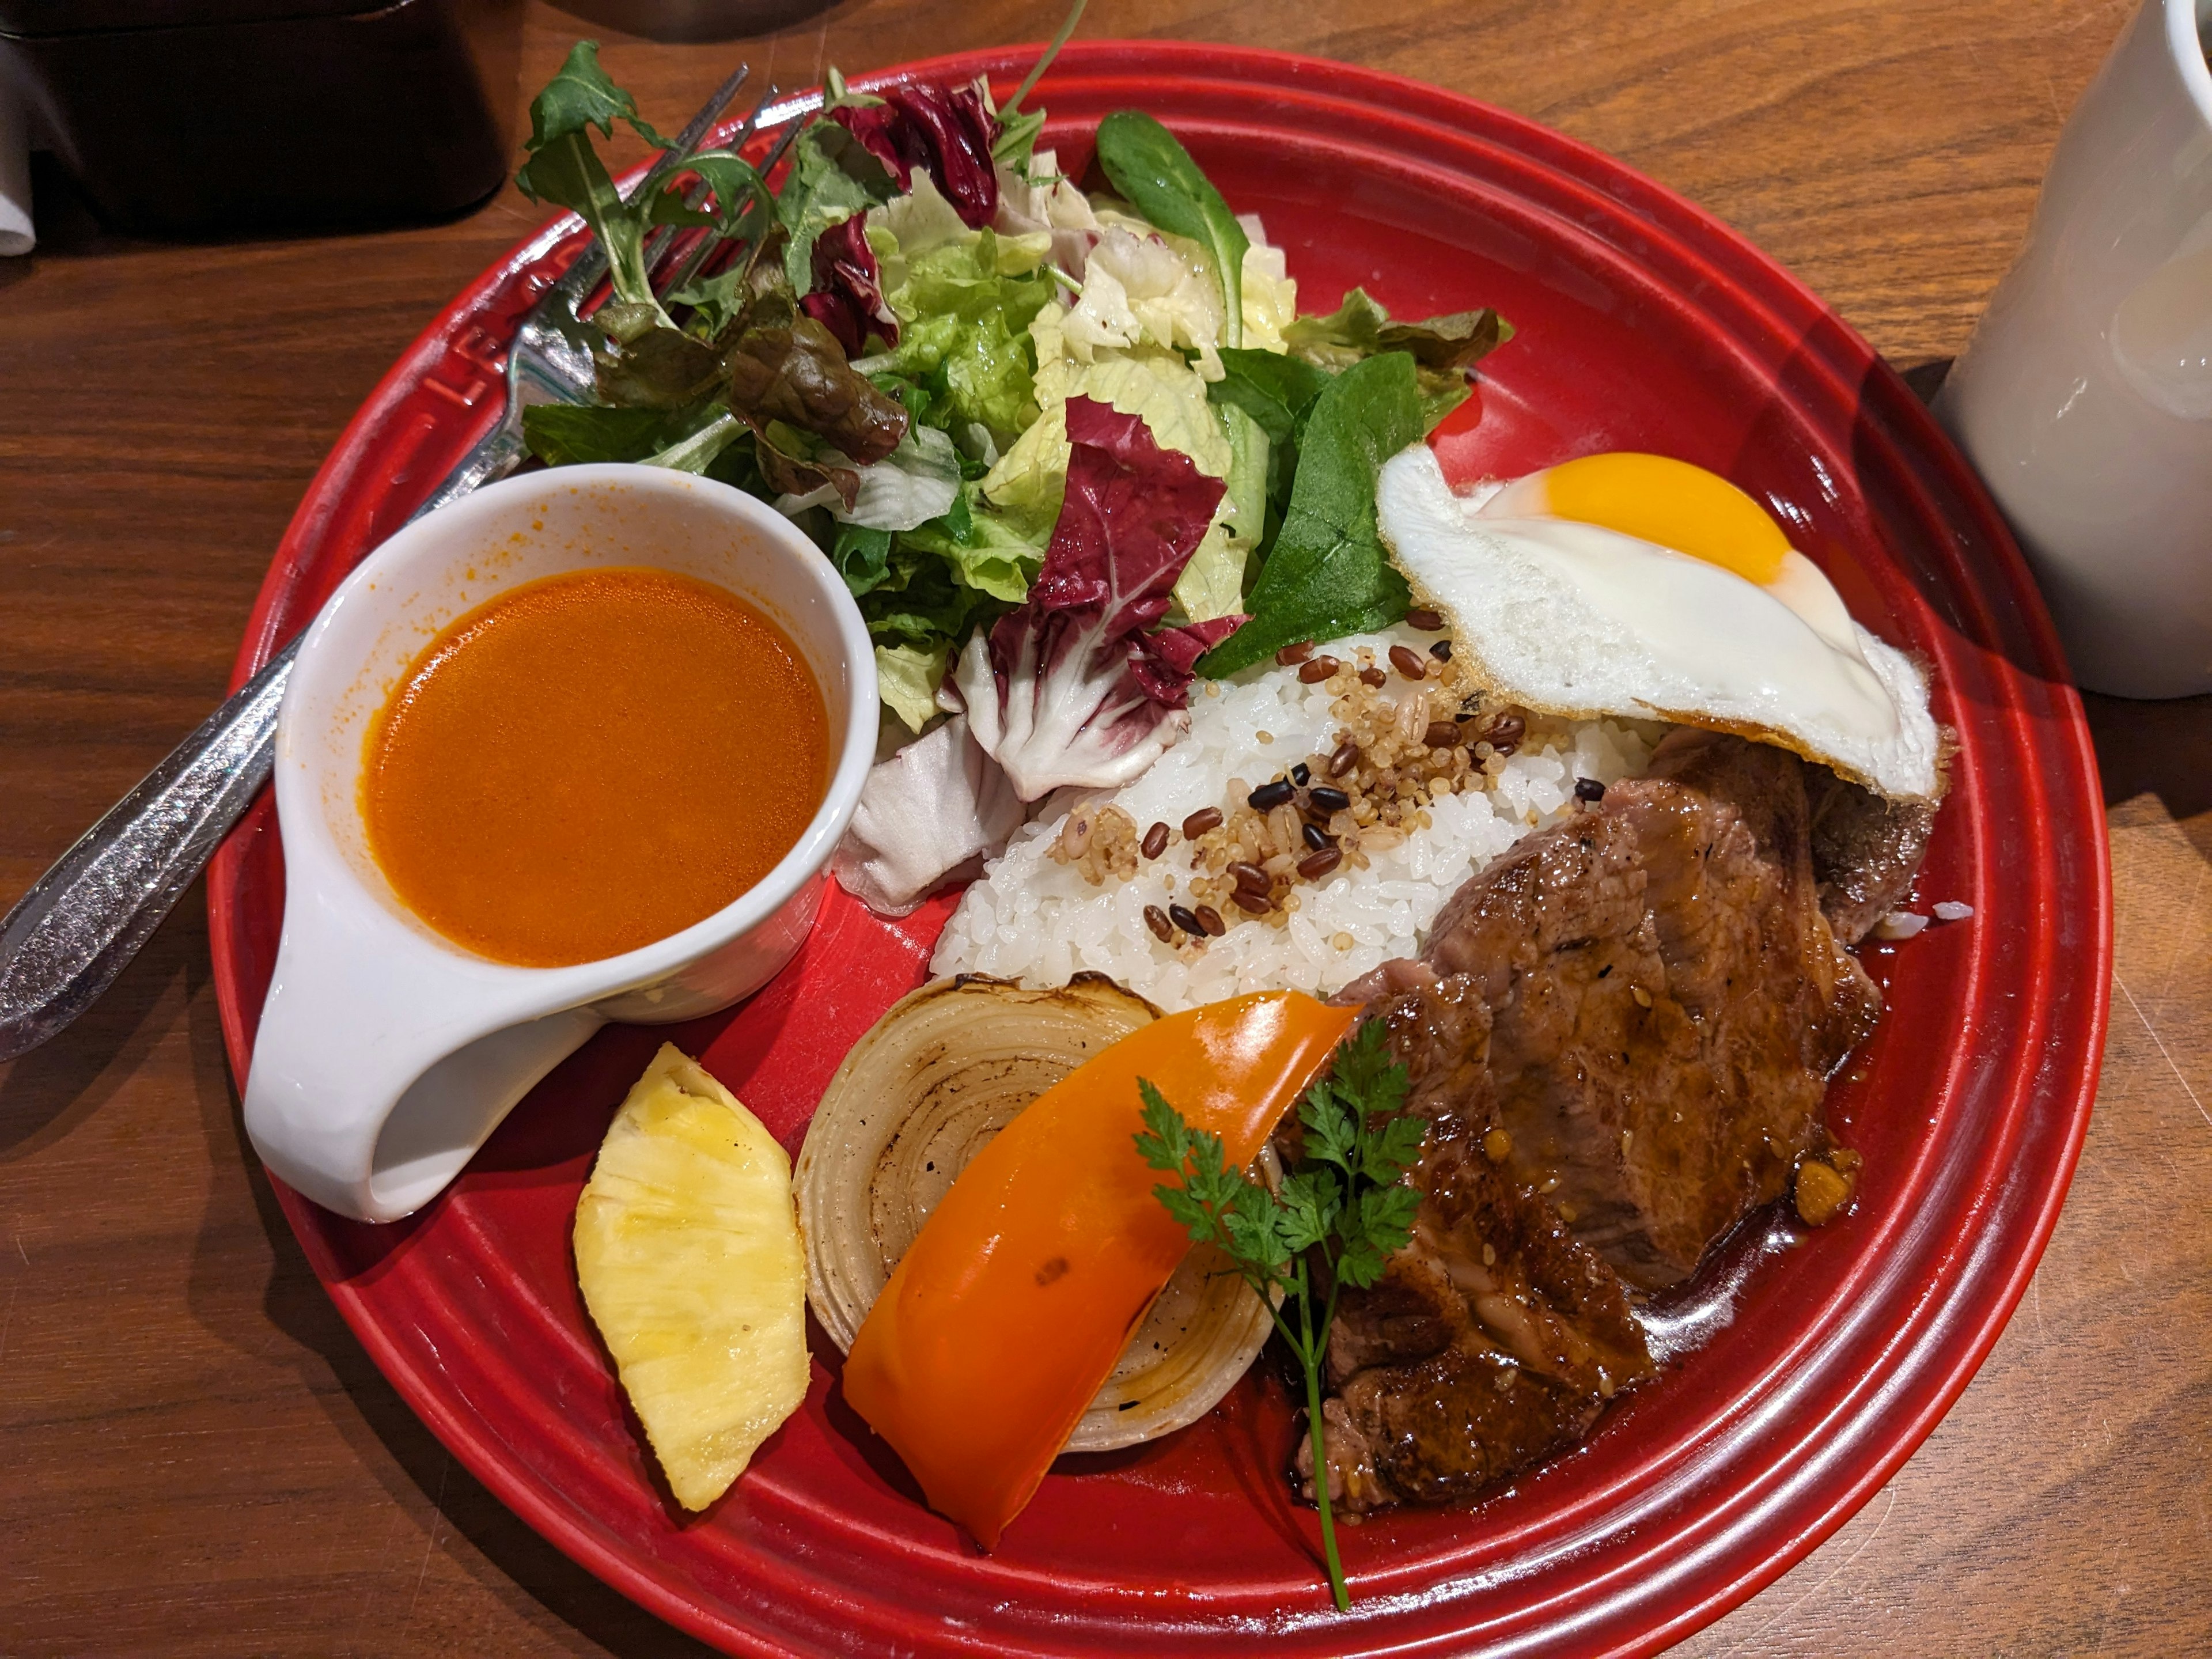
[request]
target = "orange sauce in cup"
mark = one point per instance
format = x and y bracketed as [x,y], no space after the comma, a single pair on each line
[591,762]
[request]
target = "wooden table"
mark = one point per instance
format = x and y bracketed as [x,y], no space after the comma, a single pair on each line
[194,1457]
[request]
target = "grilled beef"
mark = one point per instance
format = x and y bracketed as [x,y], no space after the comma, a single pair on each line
[1865,850]
[1620,1037]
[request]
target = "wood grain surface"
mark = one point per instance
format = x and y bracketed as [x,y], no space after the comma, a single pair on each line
[194,1457]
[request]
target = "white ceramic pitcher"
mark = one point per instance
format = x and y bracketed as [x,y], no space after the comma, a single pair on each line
[2085,396]
[386,1053]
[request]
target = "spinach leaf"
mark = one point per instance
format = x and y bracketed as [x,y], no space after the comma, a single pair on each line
[1163,182]
[1328,574]
[1278,393]
[1270,387]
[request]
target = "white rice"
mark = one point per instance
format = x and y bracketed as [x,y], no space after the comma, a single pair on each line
[1033,918]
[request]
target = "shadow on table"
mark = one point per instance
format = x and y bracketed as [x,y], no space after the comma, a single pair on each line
[2161,749]
[415,1468]
[47,1093]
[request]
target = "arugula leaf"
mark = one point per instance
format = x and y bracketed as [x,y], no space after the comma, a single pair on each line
[1444,347]
[1161,181]
[832,176]
[580,94]
[741,195]
[1338,1217]
[1328,574]
[565,170]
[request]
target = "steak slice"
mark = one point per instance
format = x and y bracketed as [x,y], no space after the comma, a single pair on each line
[1494,1338]
[1620,1038]
[1667,1000]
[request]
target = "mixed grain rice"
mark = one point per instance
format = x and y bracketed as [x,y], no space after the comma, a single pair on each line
[1428,799]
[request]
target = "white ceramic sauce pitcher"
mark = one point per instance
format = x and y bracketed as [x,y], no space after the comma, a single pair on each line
[2085,396]
[387,1052]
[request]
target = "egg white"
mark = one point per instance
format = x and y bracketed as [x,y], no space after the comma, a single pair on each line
[1575,620]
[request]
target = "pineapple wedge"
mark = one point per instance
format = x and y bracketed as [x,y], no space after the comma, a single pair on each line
[687,1253]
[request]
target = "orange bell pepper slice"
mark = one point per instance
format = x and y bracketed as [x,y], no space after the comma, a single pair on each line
[1015,1302]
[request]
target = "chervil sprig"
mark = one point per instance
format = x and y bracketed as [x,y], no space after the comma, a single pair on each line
[1338,1216]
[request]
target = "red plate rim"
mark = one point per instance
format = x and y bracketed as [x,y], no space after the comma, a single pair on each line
[1723,1568]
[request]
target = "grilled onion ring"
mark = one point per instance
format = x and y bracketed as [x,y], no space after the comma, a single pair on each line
[919,1096]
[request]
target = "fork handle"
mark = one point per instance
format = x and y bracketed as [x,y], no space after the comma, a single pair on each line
[67,938]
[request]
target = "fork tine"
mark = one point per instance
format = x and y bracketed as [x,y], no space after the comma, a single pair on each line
[694,130]
[703,249]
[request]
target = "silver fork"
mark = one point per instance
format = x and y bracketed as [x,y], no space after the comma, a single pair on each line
[82,922]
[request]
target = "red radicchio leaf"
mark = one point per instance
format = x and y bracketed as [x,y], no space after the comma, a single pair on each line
[960,133]
[1074,687]
[947,132]
[847,297]
[887,136]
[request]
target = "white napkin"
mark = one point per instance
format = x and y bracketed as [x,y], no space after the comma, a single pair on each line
[16,235]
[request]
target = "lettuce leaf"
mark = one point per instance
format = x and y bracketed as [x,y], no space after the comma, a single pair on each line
[917,482]
[1155,173]
[908,677]
[962,319]
[988,552]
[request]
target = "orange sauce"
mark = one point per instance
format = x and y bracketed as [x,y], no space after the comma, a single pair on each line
[593,762]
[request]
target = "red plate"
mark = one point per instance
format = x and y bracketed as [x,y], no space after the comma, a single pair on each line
[1645,325]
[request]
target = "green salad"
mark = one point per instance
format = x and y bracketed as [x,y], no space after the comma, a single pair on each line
[883,322]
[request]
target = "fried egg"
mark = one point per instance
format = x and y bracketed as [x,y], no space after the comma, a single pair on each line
[1634,585]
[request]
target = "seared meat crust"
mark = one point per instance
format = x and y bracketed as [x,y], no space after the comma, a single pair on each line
[1620,1038]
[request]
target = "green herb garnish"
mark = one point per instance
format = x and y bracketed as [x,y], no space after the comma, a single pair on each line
[1338,1216]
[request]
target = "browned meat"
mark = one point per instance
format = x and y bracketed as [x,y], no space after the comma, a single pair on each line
[1866,851]
[1667,1000]
[1620,1037]
[1494,1338]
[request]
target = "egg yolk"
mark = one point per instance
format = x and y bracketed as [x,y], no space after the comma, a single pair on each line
[1656,499]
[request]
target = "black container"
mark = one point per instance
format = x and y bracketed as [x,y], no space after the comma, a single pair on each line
[196,117]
